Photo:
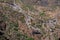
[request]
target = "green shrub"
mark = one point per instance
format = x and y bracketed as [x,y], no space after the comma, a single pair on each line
[42,14]
[29,39]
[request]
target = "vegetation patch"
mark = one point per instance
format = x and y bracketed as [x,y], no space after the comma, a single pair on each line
[28,7]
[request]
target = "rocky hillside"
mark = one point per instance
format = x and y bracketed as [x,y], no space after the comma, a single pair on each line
[29,19]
